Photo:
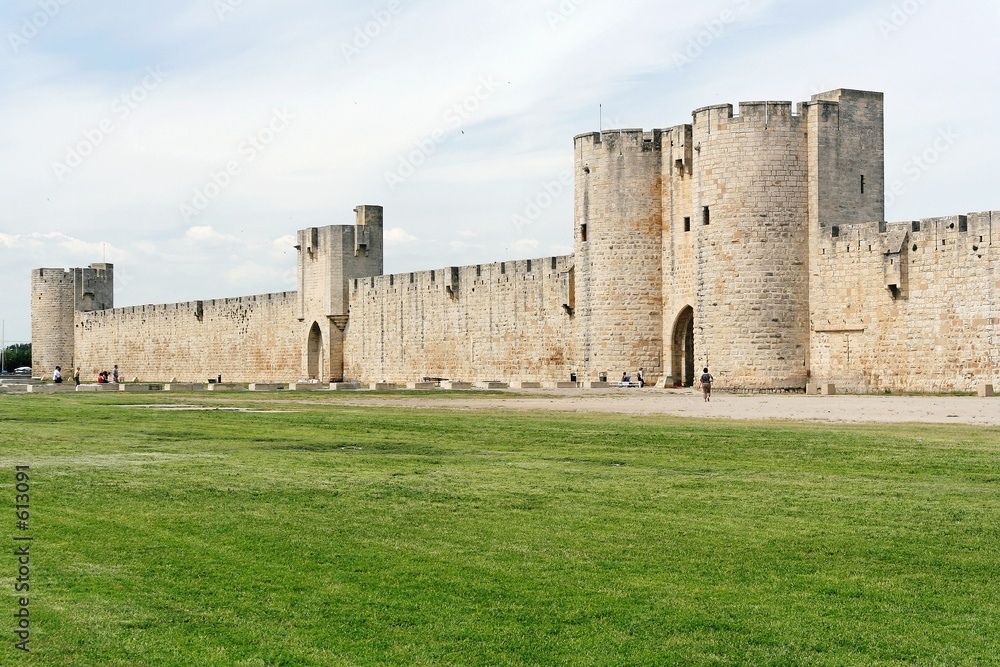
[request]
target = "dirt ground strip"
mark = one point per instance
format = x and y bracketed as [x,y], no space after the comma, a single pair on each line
[798,407]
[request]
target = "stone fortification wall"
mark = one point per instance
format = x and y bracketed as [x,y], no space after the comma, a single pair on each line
[907,306]
[503,321]
[619,279]
[246,339]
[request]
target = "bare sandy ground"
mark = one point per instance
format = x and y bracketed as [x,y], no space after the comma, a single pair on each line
[798,407]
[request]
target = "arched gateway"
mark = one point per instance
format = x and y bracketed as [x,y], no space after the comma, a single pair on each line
[682,345]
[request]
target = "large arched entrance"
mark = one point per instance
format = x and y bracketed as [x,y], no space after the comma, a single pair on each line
[315,352]
[683,348]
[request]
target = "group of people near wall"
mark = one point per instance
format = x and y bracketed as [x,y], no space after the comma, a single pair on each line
[104,377]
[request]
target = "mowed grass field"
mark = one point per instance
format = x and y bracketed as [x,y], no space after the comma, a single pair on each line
[333,535]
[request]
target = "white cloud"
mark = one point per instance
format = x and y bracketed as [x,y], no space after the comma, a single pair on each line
[398,236]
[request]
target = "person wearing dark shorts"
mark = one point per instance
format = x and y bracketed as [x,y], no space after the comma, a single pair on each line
[706,384]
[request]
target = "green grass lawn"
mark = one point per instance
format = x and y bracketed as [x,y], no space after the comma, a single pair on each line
[338,535]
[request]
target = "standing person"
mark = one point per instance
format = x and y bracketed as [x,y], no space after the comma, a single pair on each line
[642,380]
[76,376]
[114,373]
[57,375]
[706,384]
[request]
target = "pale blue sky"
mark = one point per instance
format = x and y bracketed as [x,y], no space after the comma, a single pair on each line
[162,96]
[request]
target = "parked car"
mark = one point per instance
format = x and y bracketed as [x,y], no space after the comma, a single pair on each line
[23,370]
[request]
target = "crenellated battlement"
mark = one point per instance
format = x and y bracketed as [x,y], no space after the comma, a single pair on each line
[631,140]
[454,279]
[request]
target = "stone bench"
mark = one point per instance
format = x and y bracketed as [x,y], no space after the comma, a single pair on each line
[527,385]
[267,386]
[226,386]
[345,386]
[422,385]
[308,386]
[493,385]
[139,386]
[184,386]
[383,386]
[450,384]
[50,388]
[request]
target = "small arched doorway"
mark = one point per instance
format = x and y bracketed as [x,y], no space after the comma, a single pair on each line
[314,352]
[683,348]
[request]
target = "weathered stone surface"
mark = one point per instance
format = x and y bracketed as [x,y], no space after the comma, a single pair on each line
[752,242]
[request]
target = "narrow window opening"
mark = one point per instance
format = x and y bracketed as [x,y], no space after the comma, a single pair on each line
[706,216]
[835,231]
[392,280]
[687,224]
[411,278]
[554,266]
[583,233]
[503,268]
[963,224]
[894,290]
[433,276]
[862,183]
[355,283]
[529,266]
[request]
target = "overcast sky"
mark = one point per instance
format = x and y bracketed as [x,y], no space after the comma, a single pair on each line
[187,140]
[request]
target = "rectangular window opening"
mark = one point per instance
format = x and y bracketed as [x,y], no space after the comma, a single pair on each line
[554,265]
[583,233]
[529,266]
[687,224]
[503,268]
[706,216]
[862,183]
[479,270]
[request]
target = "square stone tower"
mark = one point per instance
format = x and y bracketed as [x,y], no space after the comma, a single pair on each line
[329,259]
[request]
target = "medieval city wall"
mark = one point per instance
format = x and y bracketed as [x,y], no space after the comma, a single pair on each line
[504,321]
[246,339]
[907,306]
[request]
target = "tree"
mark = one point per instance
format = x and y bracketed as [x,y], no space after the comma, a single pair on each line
[15,356]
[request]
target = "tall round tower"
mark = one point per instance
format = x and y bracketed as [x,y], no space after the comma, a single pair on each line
[617,269]
[744,218]
[52,302]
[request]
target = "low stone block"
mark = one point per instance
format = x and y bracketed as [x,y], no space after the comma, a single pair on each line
[345,386]
[456,385]
[986,391]
[16,388]
[131,386]
[828,389]
[421,385]
[50,388]
[493,385]
[527,385]
[308,386]
[595,385]
[226,386]
[562,385]
[267,386]
[383,386]
[184,386]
